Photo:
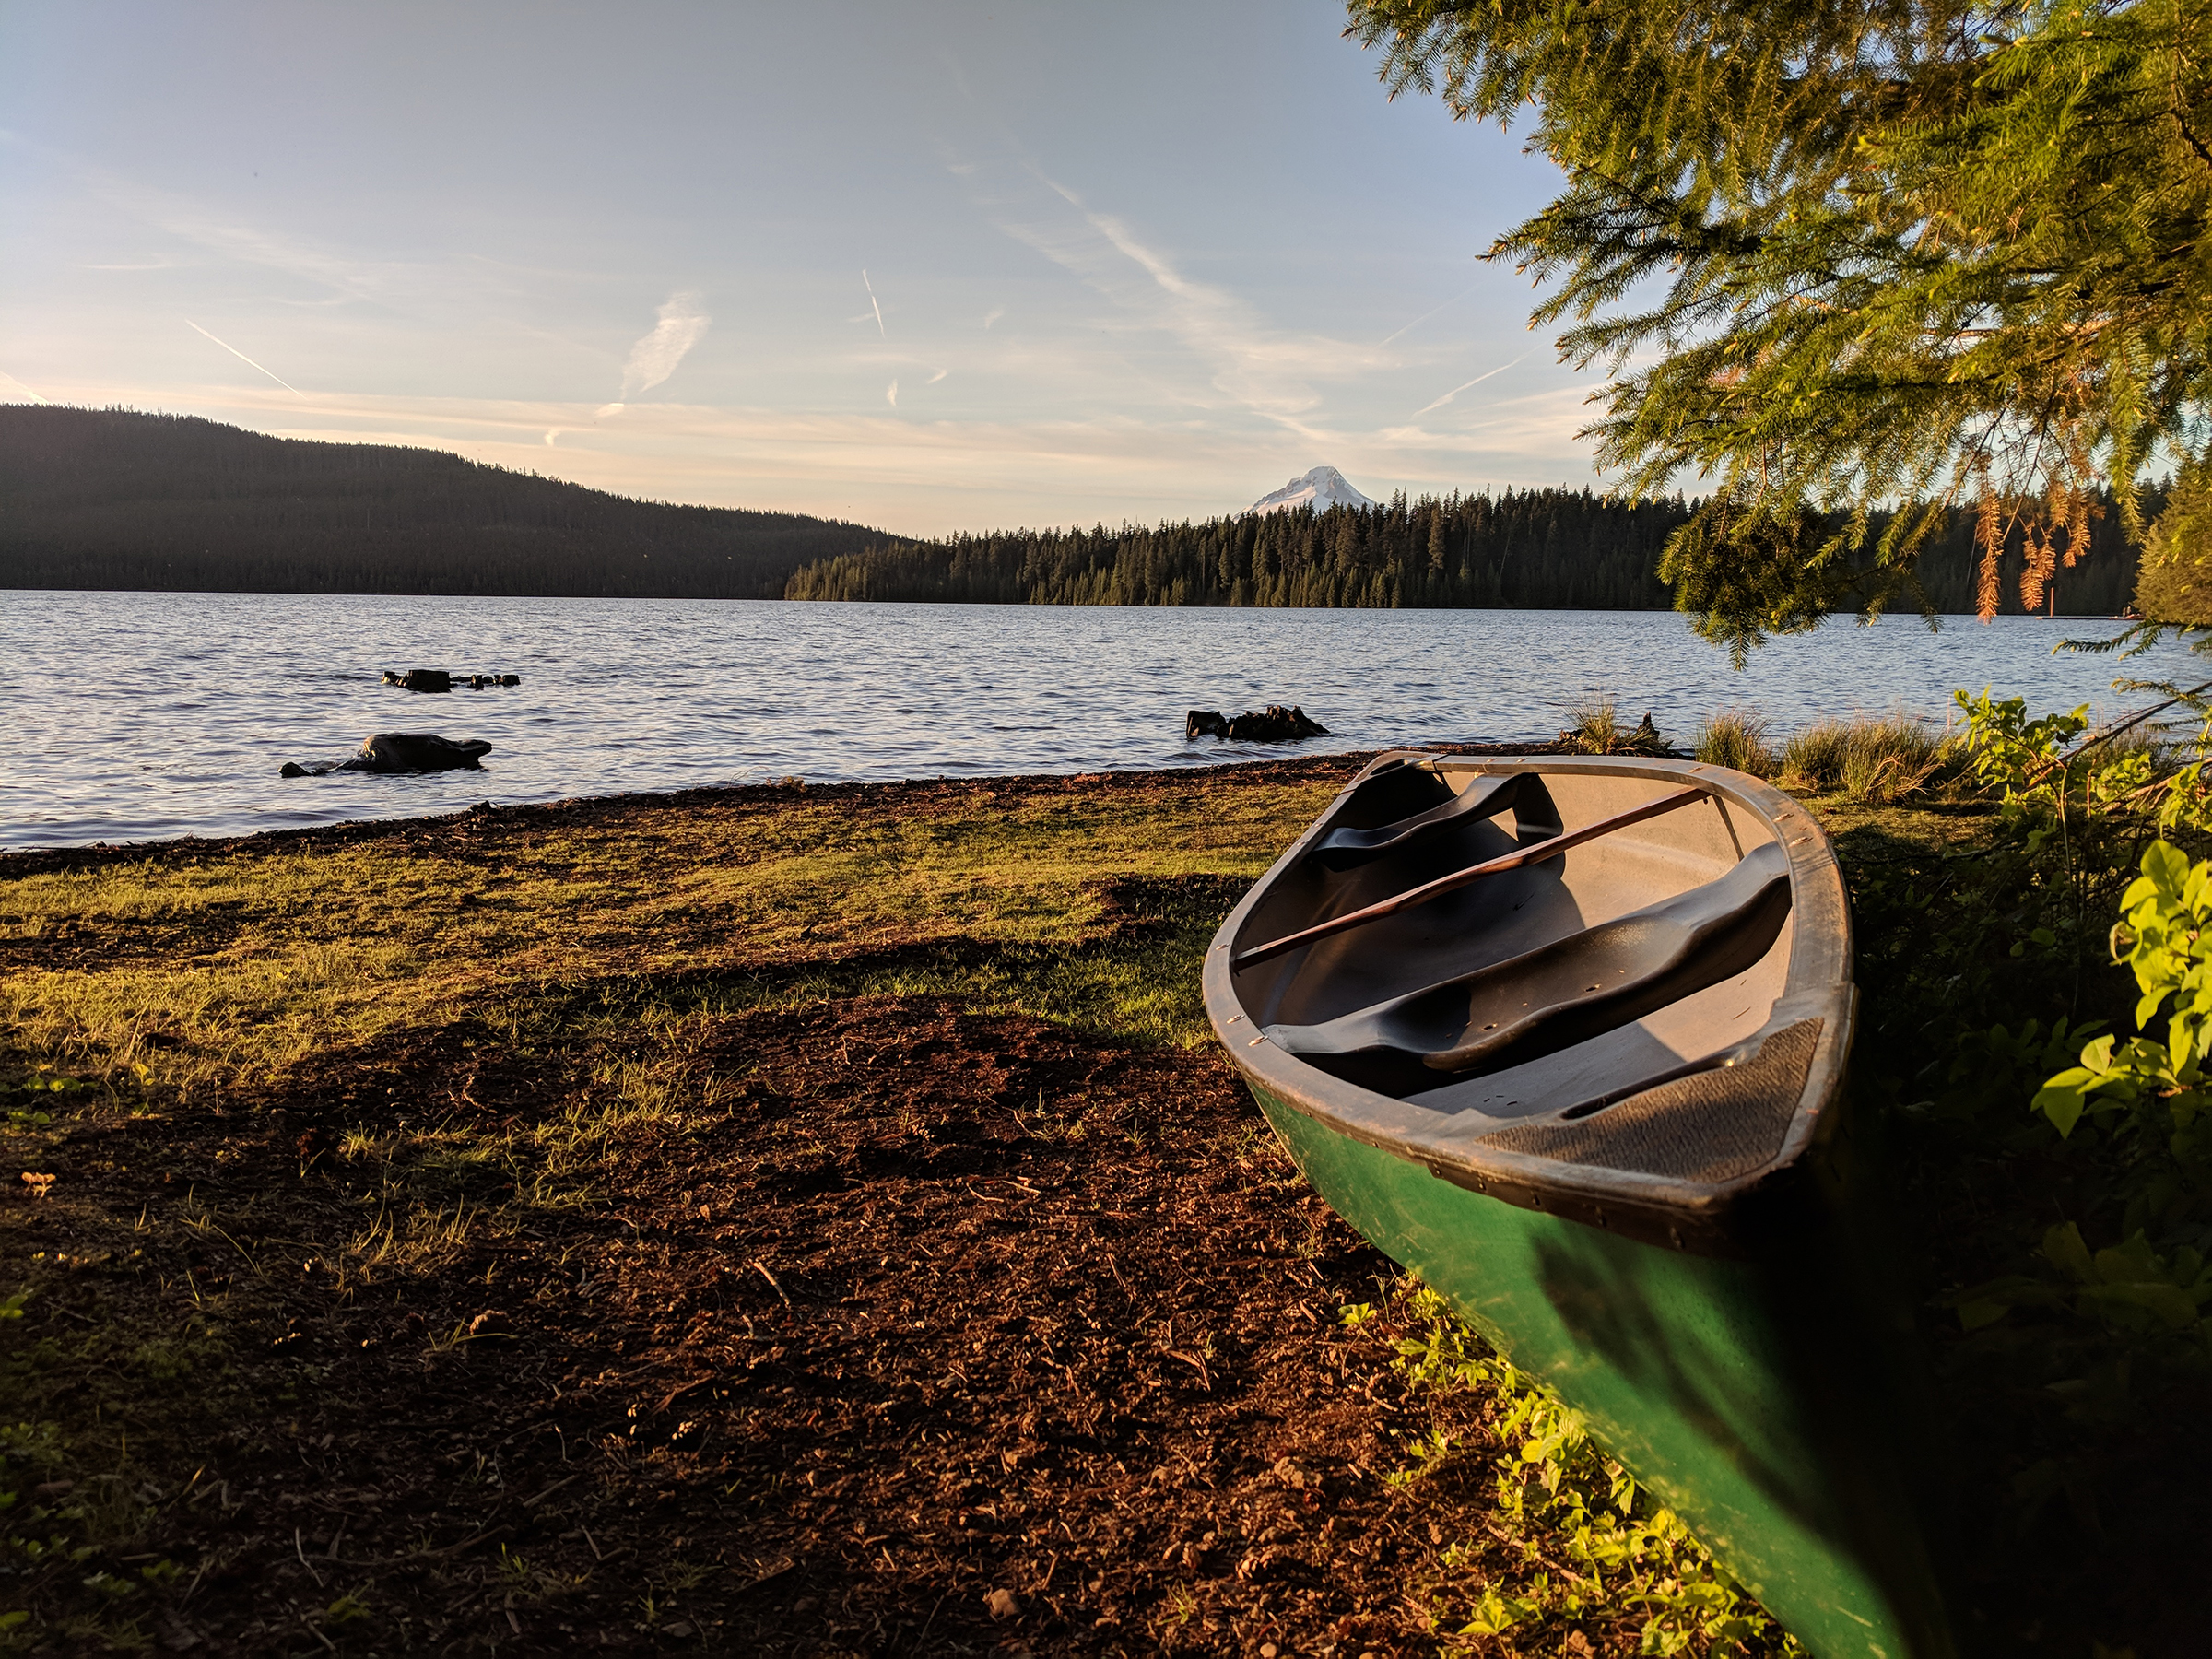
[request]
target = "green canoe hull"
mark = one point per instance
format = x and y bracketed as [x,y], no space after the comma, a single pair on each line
[1766,1401]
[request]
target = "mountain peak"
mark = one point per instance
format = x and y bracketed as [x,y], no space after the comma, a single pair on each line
[1320,490]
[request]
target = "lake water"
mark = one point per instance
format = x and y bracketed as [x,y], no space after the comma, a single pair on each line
[139,716]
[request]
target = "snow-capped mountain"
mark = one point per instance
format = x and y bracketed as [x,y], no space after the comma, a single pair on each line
[1320,490]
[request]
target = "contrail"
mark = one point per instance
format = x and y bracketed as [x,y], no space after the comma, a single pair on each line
[242,358]
[1455,391]
[1427,314]
[878,310]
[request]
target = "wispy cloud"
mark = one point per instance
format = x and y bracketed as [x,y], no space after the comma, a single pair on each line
[1464,386]
[891,397]
[654,359]
[1269,371]
[242,358]
[939,375]
[873,306]
[992,316]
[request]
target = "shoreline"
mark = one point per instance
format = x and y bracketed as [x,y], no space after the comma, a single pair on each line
[575,810]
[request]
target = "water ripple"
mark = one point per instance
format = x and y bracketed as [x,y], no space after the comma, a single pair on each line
[140,716]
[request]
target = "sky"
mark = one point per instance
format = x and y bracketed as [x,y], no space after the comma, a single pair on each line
[930,266]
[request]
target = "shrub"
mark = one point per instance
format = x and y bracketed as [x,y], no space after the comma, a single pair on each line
[1594,727]
[1875,761]
[1736,738]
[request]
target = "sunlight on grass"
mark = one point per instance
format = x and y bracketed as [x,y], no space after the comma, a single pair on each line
[234,971]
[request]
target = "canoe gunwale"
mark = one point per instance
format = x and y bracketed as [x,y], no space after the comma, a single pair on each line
[1717,1217]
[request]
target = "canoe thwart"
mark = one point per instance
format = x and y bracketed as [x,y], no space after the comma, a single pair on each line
[1473,872]
[1522,792]
[1558,994]
[1712,1125]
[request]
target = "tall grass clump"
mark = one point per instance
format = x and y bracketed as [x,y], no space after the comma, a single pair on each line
[1873,762]
[1736,738]
[1594,727]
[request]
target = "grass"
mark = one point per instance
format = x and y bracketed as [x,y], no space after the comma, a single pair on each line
[1595,726]
[230,972]
[1873,760]
[1736,738]
[600,952]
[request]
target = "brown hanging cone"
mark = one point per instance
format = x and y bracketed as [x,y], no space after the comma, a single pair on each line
[1989,535]
[2042,550]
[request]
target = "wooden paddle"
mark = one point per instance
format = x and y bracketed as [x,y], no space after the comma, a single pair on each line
[1473,872]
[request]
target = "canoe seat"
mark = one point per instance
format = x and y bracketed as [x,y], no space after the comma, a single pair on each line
[1349,849]
[1559,994]
[1712,1125]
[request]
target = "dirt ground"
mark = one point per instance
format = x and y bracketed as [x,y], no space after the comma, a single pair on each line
[960,1336]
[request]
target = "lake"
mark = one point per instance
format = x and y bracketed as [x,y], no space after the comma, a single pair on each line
[140,716]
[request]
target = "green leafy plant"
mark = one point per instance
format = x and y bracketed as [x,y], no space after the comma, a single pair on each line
[1621,1549]
[2014,756]
[2153,1087]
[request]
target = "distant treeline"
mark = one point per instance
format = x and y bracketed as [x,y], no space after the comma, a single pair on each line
[1532,549]
[114,499]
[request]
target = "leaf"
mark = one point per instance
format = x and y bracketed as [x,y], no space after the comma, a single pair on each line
[2168,869]
[2131,1263]
[2173,1306]
[1974,1315]
[2061,1103]
[2064,1249]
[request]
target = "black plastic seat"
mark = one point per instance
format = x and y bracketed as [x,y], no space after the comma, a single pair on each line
[1559,994]
[1349,849]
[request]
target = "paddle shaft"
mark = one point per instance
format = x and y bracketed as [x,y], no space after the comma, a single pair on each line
[1473,872]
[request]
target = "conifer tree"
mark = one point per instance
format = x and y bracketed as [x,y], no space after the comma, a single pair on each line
[1839,256]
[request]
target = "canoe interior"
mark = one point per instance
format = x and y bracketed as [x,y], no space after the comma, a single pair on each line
[1403,1005]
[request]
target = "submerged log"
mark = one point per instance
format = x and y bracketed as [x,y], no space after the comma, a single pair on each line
[415,752]
[1274,724]
[401,752]
[440,679]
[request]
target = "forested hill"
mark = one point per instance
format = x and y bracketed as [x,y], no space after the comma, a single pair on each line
[1534,549]
[114,499]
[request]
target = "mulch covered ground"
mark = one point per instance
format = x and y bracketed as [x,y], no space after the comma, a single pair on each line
[959,1334]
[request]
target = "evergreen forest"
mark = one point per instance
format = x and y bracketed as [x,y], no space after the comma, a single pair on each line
[1532,549]
[112,499]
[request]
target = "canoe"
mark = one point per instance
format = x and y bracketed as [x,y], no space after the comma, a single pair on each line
[1566,1037]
